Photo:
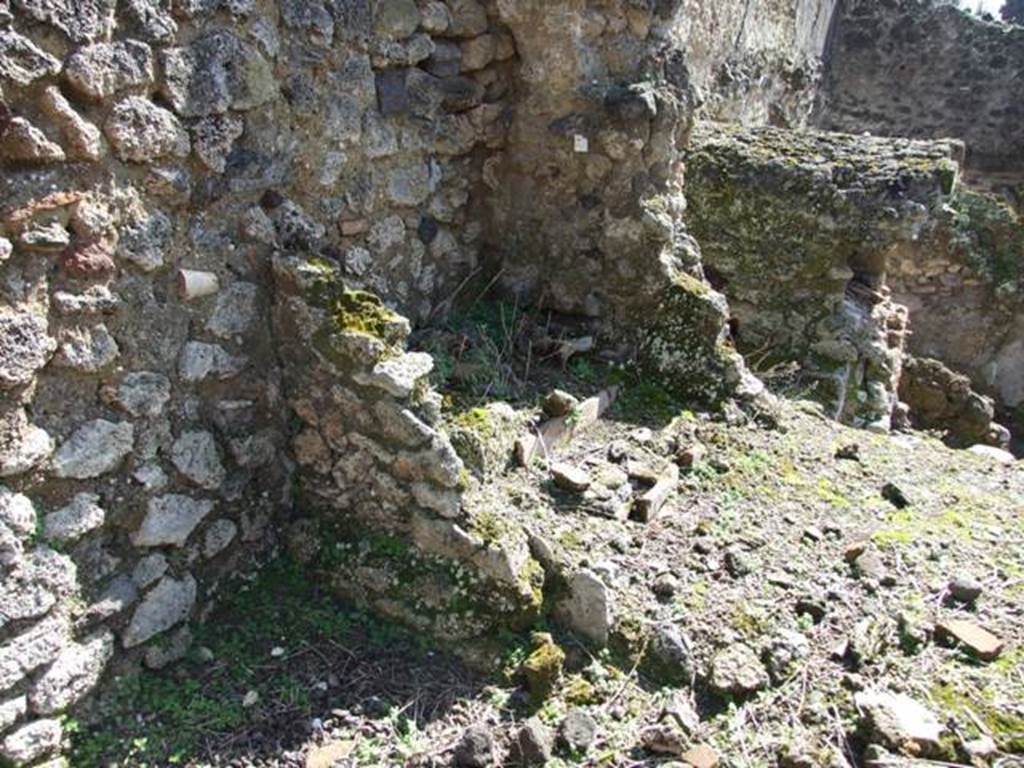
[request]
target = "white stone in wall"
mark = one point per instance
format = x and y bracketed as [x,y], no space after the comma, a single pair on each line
[11,549]
[196,456]
[32,741]
[199,361]
[25,347]
[398,375]
[151,476]
[235,311]
[87,349]
[82,139]
[170,519]
[142,132]
[23,447]
[102,70]
[24,142]
[218,536]
[144,239]
[149,569]
[69,523]
[17,512]
[41,578]
[22,62]
[74,673]
[167,604]
[93,300]
[11,711]
[6,249]
[95,448]
[143,393]
[30,650]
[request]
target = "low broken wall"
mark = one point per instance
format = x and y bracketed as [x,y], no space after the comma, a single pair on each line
[797,229]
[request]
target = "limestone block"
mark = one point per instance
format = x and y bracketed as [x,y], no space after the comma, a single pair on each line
[103,70]
[72,675]
[32,741]
[22,62]
[69,523]
[167,604]
[142,132]
[196,456]
[95,448]
[22,142]
[170,519]
[37,646]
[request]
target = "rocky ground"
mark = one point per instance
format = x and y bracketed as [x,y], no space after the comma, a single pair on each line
[796,594]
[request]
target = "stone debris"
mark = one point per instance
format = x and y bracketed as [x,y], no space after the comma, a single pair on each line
[701,756]
[965,590]
[559,403]
[578,729]
[556,431]
[476,748]
[534,743]
[737,671]
[977,641]
[647,507]
[898,722]
[570,478]
[587,608]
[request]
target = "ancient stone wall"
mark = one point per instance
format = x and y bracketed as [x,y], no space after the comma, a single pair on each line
[919,69]
[155,156]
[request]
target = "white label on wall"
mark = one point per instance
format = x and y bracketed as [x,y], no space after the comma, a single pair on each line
[580,144]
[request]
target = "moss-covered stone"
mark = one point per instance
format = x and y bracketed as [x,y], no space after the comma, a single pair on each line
[543,667]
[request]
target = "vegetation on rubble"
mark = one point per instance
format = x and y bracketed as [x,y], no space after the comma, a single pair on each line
[989,236]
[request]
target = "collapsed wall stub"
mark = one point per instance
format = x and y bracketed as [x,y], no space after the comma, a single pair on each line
[818,239]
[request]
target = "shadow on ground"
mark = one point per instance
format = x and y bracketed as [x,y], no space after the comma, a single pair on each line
[282,666]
